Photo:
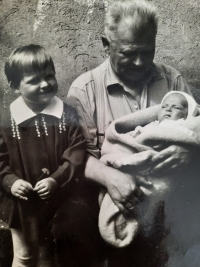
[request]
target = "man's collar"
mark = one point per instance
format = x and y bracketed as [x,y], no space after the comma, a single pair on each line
[112,79]
[21,112]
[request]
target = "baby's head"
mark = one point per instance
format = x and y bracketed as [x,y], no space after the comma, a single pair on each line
[177,105]
[30,69]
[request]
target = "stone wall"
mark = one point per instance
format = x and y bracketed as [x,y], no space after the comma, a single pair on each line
[71,31]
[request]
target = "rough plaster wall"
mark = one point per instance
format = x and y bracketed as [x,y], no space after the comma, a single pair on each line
[71,31]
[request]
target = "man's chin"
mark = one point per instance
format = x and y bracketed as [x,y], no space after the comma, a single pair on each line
[136,76]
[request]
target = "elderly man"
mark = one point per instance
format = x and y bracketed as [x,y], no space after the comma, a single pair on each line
[127,81]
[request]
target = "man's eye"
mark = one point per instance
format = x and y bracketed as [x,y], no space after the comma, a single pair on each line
[128,54]
[50,76]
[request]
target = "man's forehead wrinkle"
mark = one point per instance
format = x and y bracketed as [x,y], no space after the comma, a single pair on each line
[132,35]
[136,46]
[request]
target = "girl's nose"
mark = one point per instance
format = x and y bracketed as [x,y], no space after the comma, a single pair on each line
[43,84]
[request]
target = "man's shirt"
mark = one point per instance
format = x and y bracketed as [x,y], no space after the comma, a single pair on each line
[117,99]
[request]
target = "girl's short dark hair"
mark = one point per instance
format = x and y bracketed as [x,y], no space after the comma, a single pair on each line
[25,59]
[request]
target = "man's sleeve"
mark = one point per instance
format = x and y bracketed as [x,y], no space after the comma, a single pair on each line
[73,159]
[181,85]
[84,103]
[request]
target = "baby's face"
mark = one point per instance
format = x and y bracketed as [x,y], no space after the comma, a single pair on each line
[174,107]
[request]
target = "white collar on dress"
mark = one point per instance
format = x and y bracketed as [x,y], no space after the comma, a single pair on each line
[21,112]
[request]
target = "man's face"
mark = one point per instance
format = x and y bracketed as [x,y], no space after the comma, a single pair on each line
[174,107]
[132,52]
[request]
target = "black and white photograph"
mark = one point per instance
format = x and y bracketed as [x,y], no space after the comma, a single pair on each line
[99,133]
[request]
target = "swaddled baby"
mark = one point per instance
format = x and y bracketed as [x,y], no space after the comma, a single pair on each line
[176,108]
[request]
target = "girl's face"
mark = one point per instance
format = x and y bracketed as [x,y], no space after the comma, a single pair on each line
[38,88]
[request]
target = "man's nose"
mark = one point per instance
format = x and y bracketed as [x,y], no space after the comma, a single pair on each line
[138,61]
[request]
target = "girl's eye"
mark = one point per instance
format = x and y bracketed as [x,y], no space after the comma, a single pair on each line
[34,81]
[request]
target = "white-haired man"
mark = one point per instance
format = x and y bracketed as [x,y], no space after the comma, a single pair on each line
[127,81]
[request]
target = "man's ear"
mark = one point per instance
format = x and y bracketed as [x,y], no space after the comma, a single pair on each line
[106,45]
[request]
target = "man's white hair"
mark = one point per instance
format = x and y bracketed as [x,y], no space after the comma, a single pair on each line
[143,14]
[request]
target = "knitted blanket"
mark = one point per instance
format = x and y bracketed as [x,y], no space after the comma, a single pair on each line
[120,149]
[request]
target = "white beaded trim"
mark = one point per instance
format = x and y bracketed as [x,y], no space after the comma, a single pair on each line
[63,121]
[44,125]
[15,129]
[37,128]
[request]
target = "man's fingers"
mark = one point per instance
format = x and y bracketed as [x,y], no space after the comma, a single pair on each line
[164,166]
[122,208]
[160,156]
[139,195]
[142,181]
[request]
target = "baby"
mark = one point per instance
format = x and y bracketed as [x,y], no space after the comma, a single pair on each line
[176,108]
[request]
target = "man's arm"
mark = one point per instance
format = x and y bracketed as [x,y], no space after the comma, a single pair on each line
[121,187]
[73,159]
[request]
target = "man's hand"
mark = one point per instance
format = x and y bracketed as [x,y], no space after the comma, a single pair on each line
[120,186]
[20,189]
[174,157]
[122,189]
[46,188]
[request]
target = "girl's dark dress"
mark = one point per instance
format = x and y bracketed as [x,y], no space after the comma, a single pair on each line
[47,140]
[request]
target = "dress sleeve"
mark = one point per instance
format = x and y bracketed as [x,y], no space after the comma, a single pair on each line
[73,159]
[84,103]
[7,177]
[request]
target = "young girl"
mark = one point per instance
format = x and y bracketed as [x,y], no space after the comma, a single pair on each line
[42,151]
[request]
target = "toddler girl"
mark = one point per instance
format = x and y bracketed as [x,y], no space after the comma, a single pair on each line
[42,151]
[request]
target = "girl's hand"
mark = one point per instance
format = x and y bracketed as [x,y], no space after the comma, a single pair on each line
[20,189]
[46,188]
